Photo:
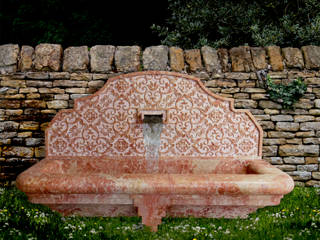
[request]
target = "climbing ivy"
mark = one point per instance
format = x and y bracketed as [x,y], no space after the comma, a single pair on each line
[286,94]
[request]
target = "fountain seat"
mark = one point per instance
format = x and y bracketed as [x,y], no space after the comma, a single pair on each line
[206,162]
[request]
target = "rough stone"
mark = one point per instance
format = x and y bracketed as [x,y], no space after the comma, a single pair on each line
[8,58]
[155,58]
[57,104]
[259,57]
[311,140]
[293,57]
[9,103]
[274,160]
[13,83]
[59,75]
[28,90]
[69,83]
[33,83]
[308,167]
[315,112]
[287,126]
[40,152]
[266,125]
[305,126]
[221,83]
[81,76]
[304,104]
[26,58]
[259,96]
[312,160]
[237,75]
[14,112]
[37,75]
[262,117]
[286,167]
[34,104]
[211,59]
[8,126]
[300,175]
[293,160]
[312,81]
[76,90]
[76,59]
[48,57]
[176,59]
[305,134]
[316,175]
[282,118]
[224,59]
[269,104]
[61,97]
[33,95]
[269,151]
[14,151]
[75,96]
[294,141]
[253,90]
[230,90]
[245,103]
[275,58]
[29,125]
[311,56]
[313,183]
[30,142]
[299,150]
[193,58]
[273,141]
[303,118]
[101,58]
[246,83]
[241,59]
[127,58]
[240,95]
[317,103]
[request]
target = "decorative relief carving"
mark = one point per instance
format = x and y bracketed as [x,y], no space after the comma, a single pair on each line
[198,123]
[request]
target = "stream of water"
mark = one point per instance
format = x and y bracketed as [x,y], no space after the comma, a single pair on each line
[152,127]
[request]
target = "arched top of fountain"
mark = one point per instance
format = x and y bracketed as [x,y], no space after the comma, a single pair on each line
[198,123]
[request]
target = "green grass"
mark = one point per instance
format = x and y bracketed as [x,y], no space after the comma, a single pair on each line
[297,217]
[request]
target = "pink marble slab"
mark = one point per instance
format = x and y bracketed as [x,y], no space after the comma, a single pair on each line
[209,161]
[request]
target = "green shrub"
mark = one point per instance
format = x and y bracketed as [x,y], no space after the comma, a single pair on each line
[220,23]
[286,94]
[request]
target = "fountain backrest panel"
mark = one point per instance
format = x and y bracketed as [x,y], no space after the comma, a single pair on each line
[196,123]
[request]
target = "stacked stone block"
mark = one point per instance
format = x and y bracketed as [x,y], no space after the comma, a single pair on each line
[36,82]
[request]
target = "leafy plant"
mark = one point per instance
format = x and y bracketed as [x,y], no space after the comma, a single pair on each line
[286,94]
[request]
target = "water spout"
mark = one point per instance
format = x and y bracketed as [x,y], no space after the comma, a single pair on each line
[152,127]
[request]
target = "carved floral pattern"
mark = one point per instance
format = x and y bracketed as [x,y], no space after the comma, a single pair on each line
[107,124]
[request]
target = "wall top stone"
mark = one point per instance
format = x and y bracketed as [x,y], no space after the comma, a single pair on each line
[112,59]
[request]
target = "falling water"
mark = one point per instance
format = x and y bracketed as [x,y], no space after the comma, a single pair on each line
[152,127]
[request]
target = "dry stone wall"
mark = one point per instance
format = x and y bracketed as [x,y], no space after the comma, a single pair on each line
[35,83]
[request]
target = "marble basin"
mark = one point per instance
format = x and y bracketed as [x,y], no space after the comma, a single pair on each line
[205,162]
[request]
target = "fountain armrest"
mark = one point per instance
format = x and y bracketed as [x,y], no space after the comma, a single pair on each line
[262,167]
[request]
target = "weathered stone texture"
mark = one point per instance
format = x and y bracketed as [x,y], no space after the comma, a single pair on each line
[193,59]
[282,118]
[294,160]
[259,58]
[211,59]
[299,150]
[287,126]
[293,57]
[241,59]
[101,58]
[176,59]
[311,56]
[16,151]
[155,58]
[310,126]
[8,58]
[26,58]
[224,59]
[76,59]
[127,58]
[275,58]
[48,57]
[245,103]
[57,104]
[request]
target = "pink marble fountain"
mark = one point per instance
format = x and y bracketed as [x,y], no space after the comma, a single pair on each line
[154,144]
